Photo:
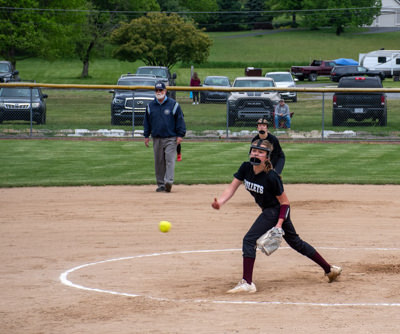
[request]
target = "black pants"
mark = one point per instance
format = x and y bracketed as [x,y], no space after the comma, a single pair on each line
[265,221]
[195,96]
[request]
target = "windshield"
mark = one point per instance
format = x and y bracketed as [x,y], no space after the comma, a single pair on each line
[216,81]
[254,83]
[136,82]
[18,92]
[158,72]
[280,77]
[4,67]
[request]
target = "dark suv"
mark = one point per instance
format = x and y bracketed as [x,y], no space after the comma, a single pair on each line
[7,72]
[339,72]
[15,104]
[126,101]
[162,73]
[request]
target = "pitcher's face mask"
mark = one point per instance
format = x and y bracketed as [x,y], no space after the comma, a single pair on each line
[257,146]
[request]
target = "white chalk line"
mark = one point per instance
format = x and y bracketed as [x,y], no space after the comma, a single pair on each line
[64,280]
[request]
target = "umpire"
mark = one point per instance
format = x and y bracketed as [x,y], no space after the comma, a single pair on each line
[277,155]
[164,121]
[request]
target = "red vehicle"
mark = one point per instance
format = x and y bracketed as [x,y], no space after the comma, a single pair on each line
[311,72]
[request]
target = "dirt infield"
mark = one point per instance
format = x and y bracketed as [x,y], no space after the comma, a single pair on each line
[91,260]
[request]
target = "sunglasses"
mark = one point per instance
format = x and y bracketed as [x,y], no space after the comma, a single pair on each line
[159,90]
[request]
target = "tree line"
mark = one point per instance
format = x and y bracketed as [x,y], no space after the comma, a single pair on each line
[158,32]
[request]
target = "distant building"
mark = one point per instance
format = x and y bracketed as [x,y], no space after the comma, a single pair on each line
[390,14]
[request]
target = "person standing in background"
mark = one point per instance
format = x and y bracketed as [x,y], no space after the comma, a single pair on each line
[195,82]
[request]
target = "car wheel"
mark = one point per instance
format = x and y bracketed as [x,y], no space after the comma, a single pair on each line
[294,99]
[172,95]
[231,118]
[41,119]
[114,120]
[336,121]
[300,78]
[202,98]
[383,118]
[312,77]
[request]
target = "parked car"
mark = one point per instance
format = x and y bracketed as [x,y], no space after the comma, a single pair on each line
[15,104]
[284,80]
[126,101]
[162,73]
[339,72]
[7,72]
[252,105]
[214,96]
[359,106]
[312,71]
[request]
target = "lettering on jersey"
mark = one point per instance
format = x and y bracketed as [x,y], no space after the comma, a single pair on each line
[254,187]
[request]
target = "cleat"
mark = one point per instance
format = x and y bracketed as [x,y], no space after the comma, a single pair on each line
[243,286]
[334,273]
[168,187]
[179,157]
[160,189]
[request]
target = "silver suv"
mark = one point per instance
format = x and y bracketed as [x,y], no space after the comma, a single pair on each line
[252,105]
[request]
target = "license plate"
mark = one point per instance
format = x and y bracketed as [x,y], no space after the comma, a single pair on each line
[358,110]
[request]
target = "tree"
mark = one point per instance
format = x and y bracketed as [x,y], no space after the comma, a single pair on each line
[229,21]
[32,28]
[171,6]
[103,17]
[255,19]
[343,13]
[160,39]
[197,6]
[291,6]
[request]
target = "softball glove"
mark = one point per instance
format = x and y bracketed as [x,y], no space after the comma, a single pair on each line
[271,240]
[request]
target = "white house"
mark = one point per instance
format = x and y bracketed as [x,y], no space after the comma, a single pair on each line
[390,14]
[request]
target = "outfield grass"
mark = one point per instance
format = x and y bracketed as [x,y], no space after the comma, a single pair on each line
[95,163]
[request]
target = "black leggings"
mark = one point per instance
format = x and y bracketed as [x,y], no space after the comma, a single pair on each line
[195,96]
[265,221]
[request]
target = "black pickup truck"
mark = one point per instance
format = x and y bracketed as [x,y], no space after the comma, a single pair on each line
[359,105]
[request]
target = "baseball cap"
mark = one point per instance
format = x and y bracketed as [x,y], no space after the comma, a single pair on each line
[160,85]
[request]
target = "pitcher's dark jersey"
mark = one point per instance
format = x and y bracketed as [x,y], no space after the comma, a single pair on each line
[264,187]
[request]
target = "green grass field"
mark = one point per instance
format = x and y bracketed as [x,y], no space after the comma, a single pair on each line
[96,163]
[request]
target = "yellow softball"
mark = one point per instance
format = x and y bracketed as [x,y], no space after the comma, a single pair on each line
[164,226]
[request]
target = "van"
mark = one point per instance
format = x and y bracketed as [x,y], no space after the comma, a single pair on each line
[387,61]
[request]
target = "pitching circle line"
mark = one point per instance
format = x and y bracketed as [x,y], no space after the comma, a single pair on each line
[64,280]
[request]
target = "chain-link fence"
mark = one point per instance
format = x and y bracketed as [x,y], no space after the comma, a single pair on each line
[46,110]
